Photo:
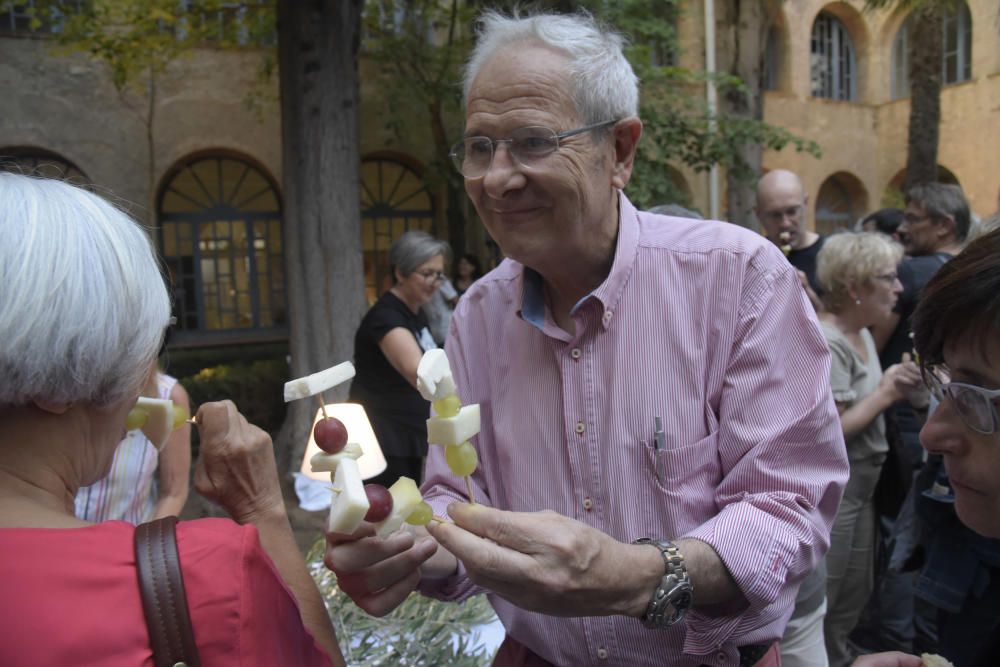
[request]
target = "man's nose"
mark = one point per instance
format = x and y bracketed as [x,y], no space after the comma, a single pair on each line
[504,172]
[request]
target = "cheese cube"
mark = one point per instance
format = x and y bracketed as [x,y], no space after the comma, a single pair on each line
[159,419]
[350,502]
[454,430]
[316,383]
[405,498]
[434,380]
[325,462]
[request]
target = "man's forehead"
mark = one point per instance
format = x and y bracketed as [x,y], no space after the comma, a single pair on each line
[525,78]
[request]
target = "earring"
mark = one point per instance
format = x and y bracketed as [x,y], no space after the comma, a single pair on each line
[857,301]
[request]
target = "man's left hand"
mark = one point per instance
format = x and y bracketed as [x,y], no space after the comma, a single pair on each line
[545,562]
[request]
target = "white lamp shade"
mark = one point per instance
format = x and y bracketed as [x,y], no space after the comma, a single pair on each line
[359,430]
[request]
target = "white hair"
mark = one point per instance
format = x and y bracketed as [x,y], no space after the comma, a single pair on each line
[83,304]
[603,84]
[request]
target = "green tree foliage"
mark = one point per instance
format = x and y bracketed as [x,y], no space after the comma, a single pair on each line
[421,632]
[420,46]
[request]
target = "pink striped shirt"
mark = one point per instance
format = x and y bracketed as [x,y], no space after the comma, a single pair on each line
[705,325]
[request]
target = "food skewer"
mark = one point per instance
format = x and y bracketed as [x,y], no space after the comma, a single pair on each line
[353,501]
[453,423]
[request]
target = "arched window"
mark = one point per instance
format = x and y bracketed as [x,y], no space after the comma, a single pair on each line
[841,201]
[220,235]
[956,56]
[833,69]
[394,200]
[772,53]
[40,162]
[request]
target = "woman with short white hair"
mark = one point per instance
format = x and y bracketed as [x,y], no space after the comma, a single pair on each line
[83,309]
[858,274]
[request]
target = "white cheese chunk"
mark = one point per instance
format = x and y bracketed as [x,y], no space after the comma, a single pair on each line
[325,462]
[350,502]
[405,498]
[454,430]
[316,383]
[434,380]
[159,419]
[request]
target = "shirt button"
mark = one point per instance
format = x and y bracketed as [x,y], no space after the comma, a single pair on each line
[607,316]
[721,657]
[602,653]
[588,504]
[580,428]
[575,353]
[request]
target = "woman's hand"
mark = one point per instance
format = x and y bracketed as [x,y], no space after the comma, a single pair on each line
[236,467]
[901,380]
[892,659]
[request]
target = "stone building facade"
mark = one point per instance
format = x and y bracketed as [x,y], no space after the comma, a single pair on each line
[203,168]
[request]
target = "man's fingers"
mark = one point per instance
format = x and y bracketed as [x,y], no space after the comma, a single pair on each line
[518,530]
[358,554]
[482,558]
[384,601]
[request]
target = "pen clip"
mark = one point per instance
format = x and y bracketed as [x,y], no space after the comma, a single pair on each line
[659,444]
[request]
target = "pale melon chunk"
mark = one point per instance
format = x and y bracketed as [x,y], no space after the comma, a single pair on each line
[159,419]
[316,383]
[454,430]
[405,498]
[434,380]
[350,502]
[325,462]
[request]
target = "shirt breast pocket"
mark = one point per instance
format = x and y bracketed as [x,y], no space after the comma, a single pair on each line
[687,471]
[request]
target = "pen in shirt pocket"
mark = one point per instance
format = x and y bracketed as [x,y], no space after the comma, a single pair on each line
[659,443]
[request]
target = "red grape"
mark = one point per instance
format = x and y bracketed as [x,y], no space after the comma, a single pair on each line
[380,502]
[330,435]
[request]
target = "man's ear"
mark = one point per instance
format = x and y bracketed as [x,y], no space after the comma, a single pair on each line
[626,133]
[946,226]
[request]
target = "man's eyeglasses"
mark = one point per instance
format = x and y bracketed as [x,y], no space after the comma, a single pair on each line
[973,404]
[528,146]
[432,276]
[777,215]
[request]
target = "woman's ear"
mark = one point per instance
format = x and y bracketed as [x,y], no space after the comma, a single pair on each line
[52,407]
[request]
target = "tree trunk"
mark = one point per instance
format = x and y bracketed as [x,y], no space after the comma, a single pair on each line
[745,34]
[925,95]
[318,62]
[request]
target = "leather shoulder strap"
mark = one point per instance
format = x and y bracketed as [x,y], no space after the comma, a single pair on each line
[164,601]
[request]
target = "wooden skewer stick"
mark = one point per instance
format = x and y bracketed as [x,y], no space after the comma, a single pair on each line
[322,405]
[191,420]
[441,519]
[468,486]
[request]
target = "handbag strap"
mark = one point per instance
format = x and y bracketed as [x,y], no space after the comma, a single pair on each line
[164,601]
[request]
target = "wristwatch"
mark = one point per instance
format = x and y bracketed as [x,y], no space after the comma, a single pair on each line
[673,595]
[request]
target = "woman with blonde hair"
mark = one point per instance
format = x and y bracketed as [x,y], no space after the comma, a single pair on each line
[858,274]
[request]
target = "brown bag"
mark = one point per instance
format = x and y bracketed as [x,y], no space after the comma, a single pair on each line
[164,601]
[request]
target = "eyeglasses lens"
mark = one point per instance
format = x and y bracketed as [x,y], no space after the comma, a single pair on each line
[474,155]
[974,408]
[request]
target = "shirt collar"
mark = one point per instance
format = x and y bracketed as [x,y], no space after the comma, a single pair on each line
[608,293]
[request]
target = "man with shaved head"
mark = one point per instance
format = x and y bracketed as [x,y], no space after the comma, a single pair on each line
[781,208]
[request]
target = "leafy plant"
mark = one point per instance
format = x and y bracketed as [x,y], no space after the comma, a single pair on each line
[421,632]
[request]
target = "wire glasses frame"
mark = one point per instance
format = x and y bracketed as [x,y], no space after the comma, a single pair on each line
[473,156]
[973,404]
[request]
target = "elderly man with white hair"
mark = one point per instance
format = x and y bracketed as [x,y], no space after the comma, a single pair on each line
[597,539]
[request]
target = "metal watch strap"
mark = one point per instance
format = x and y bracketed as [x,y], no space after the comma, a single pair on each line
[672,596]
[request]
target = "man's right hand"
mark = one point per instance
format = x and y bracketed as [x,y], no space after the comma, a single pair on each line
[378,574]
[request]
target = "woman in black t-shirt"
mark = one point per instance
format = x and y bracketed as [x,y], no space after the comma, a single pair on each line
[387,348]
